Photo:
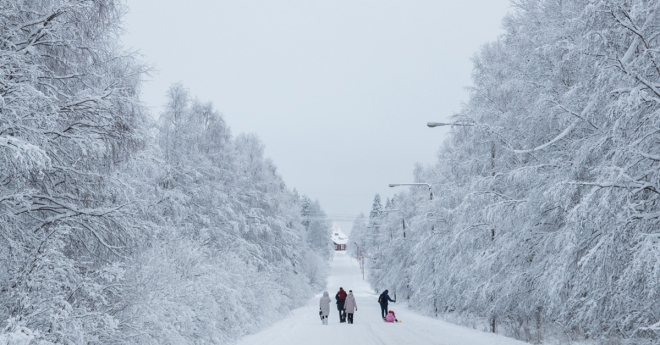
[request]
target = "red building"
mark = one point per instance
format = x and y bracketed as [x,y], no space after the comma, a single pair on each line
[339,238]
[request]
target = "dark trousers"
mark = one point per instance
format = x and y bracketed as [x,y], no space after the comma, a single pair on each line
[342,315]
[383,310]
[350,317]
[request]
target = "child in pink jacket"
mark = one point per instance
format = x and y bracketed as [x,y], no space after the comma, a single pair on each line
[390,317]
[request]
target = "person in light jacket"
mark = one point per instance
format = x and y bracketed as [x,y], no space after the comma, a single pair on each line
[350,306]
[324,306]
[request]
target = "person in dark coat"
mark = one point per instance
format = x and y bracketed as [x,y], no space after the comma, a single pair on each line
[341,299]
[383,300]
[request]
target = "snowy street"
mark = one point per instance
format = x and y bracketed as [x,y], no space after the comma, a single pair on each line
[303,325]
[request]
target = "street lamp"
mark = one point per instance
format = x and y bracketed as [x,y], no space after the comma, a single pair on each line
[414,184]
[492,143]
[440,124]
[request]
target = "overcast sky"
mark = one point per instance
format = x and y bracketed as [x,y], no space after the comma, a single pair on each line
[338,91]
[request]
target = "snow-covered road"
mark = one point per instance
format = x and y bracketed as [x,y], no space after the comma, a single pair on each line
[303,325]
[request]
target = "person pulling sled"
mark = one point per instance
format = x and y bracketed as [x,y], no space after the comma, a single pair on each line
[383,300]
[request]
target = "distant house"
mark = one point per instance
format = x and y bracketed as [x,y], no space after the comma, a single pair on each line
[339,238]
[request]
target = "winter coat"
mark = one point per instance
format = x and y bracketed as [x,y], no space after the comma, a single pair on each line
[324,303]
[350,306]
[384,297]
[341,298]
[390,317]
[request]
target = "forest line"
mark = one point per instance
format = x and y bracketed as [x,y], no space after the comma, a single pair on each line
[119,229]
[545,218]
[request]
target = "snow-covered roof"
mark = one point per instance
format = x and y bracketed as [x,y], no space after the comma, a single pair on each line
[338,236]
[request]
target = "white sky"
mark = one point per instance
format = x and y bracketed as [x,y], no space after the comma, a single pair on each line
[339,91]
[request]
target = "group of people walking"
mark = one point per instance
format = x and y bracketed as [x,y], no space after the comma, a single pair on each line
[347,306]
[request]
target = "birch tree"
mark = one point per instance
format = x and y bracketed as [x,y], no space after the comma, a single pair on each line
[545,218]
[69,117]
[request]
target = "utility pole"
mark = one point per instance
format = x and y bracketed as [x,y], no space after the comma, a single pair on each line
[435,276]
[362,266]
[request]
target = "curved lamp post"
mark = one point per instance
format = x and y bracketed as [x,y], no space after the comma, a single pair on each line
[440,124]
[414,184]
[492,143]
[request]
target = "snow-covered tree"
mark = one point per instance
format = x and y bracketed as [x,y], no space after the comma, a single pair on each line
[358,235]
[118,230]
[69,119]
[546,211]
[318,236]
[228,235]
[317,226]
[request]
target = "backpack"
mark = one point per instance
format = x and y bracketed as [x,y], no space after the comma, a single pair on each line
[380,299]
